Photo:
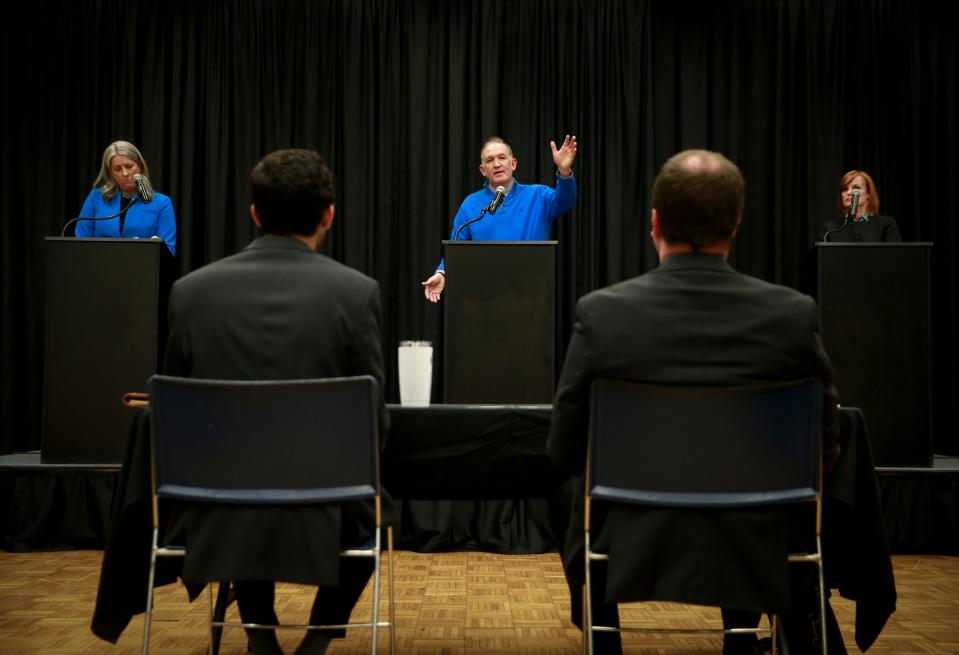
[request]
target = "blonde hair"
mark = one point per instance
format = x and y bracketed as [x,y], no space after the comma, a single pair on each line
[108,186]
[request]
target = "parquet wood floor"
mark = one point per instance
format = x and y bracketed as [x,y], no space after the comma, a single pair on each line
[447,604]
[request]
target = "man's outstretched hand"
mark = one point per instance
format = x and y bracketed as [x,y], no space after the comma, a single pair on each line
[564,155]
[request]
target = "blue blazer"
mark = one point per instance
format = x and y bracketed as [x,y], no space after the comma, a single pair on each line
[142,220]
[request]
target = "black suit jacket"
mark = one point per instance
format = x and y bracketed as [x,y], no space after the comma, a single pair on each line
[871,228]
[275,311]
[692,321]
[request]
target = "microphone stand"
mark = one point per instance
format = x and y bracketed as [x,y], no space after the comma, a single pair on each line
[490,209]
[848,218]
[472,220]
[845,224]
[99,218]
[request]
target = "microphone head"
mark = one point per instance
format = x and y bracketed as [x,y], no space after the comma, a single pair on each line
[853,204]
[497,200]
[145,193]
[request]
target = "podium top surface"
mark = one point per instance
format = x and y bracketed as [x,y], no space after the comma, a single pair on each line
[447,242]
[872,244]
[104,240]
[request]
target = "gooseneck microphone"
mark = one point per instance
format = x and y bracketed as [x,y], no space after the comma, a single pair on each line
[99,218]
[849,217]
[490,209]
[145,193]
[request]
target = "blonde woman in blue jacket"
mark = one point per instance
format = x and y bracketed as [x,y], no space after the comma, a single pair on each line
[124,184]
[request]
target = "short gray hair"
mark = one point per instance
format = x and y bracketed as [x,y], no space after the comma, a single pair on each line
[495,139]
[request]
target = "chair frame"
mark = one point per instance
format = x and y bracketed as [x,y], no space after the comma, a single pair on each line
[595,484]
[372,490]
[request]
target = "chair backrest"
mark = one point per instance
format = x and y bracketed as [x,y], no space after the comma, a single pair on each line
[287,441]
[705,446]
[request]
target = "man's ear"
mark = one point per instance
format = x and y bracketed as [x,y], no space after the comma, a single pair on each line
[327,219]
[255,215]
[736,229]
[656,230]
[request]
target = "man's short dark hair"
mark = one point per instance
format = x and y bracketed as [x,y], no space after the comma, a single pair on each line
[699,197]
[291,190]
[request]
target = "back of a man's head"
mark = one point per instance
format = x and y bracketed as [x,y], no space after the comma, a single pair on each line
[291,189]
[698,196]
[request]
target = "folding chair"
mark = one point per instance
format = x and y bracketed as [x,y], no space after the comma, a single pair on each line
[268,442]
[713,448]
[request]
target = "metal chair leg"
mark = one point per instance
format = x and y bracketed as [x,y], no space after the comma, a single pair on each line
[148,615]
[824,629]
[376,591]
[588,604]
[392,601]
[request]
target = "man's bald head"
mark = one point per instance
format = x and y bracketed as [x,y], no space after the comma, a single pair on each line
[698,196]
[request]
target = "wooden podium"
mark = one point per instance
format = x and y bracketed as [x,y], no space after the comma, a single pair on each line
[875,312]
[499,322]
[105,312]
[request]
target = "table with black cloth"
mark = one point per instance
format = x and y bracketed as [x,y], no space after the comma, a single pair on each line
[471,477]
[476,477]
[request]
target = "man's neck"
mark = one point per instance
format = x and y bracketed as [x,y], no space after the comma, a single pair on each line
[667,249]
[312,241]
[308,240]
[508,187]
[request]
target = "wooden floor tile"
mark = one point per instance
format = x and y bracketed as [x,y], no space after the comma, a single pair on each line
[447,604]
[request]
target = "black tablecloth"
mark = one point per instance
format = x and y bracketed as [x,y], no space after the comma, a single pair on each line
[440,459]
[468,452]
[855,550]
[471,477]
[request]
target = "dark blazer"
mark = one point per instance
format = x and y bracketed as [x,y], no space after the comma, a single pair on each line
[692,321]
[277,311]
[868,228]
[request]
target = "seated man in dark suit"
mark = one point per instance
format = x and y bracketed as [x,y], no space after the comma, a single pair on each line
[692,321]
[279,310]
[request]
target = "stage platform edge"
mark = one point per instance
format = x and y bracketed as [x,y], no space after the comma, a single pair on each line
[64,506]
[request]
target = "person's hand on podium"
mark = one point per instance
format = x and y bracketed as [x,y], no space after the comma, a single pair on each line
[433,287]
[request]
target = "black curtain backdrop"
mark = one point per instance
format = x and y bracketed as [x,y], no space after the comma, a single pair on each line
[399,95]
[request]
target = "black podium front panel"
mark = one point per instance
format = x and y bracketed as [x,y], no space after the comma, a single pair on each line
[499,322]
[876,322]
[102,317]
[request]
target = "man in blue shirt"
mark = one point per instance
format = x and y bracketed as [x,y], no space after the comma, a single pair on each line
[527,210]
